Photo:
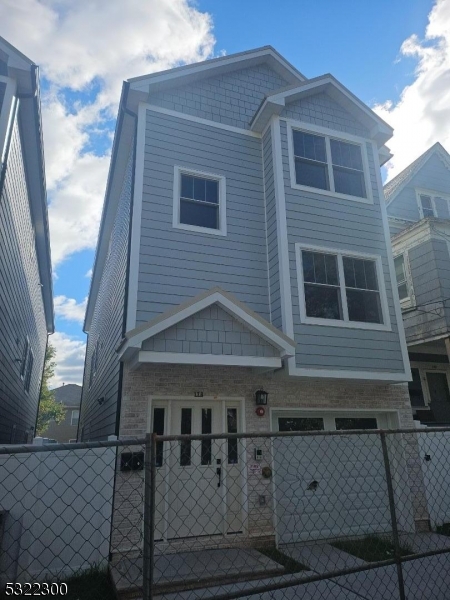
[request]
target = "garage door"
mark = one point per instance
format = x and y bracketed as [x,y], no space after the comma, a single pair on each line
[329,486]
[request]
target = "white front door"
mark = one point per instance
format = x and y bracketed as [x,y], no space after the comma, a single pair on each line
[198,482]
[329,486]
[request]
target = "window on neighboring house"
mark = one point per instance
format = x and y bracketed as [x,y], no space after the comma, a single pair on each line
[24,358]
[328,164]
[29,370]
[402,281]
[426,204]
[93,366]
[199,202]
[74,417]
[341,288]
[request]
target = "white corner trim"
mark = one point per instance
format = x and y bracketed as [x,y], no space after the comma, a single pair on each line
[136,226]
[328,134]
[177,172]
[358,375]
[385,326]
[390,257]
[207,122]
[7,113]
[282,234]
[265,229]
[286,349]
[186,358]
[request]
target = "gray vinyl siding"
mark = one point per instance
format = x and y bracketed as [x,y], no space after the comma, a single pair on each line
[272,236]
[231,99]
[176,264]
[433,176]
[345,225]
[211,331]
[2,93]
[106,327]
[430,272]
[21,304]
[322,110]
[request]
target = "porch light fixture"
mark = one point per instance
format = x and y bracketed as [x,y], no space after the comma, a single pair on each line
[261,397]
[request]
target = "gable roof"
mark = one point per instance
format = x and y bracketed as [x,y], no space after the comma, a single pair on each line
[274,104]
[69,394]
[223,64]
[395,185]
[133,339]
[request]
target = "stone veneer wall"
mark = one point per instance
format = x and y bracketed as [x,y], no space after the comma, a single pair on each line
[239,382]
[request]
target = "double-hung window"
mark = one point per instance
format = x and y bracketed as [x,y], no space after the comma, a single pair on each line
[340,289]
[74,417]
[402,280]
[426,206]
[199,202]
[329,164]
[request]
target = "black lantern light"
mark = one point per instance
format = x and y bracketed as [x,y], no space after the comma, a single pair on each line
[261,397]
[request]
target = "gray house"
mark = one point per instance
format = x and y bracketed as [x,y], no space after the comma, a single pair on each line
[69,396]
[418,205]
[26,304]
[244,245]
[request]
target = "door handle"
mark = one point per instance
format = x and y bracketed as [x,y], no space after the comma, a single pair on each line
[219,473]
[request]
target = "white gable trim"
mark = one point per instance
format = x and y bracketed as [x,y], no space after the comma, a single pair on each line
[267,332]
[185,358]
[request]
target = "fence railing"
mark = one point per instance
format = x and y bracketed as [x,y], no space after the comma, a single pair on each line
[313,514]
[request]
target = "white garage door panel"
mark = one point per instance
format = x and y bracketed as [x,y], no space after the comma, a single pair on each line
[351,494]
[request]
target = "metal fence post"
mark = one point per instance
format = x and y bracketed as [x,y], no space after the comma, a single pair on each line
[149,516]
[396,540]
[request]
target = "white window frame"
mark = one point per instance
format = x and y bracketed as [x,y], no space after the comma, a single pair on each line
[424,368]
[410,299]
[433,194]
[345,322]
[71,417]
[329,134]
[178,171]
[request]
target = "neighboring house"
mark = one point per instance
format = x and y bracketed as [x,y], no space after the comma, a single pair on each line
[244,244]
[70,396]
[418,205]
[26,304]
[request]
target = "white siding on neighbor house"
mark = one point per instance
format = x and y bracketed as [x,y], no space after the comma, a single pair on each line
[231,99]
[433,176]
[347,225]
[176,264]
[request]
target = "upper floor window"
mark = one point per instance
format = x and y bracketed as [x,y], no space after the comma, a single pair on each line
[427,206]
[199,202]
[341,289]
[329,164]
[24,358]
[74,417]
[29,371]
[402,280]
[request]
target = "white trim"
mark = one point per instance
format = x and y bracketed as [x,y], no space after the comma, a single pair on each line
[345,322]
[433,194]
[432,339]
[386,376]
[268,333]
[328,134]
[207,122]
[269,295]
[282,234]
[222,206]
[325,131]
[387,240]
[186,358]
[429,367]
[410,300]
[7,113]
[136,229]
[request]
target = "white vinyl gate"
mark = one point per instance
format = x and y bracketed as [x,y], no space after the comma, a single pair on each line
[329,486]
[434,451]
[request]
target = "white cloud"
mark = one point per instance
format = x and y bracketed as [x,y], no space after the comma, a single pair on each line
[69,309]
[92,47]
[69,359]
[421,116]
[89,274]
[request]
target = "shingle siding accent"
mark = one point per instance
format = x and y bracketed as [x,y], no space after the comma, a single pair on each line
[21,304]
[211,331]
[106,327]
[231,99]
[322,110]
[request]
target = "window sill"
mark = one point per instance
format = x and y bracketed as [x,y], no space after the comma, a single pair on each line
[347,324]
[305,188]
[197,229]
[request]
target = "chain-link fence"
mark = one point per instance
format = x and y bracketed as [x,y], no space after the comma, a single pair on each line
[307,513]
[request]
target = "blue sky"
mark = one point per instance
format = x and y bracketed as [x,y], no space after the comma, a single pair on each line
[392,55]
